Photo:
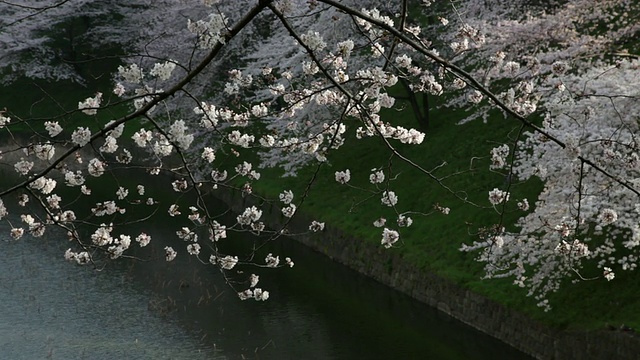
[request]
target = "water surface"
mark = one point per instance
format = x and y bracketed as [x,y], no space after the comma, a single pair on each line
[184,310]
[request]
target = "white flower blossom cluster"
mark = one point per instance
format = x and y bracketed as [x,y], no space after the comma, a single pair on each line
[286,196]
[53,128]
[43,184]
[4,120]
[81,136]
[499,156]
[90,105]
[497,196]
[163,70]
[250,215]
[131,74]
[389,237]
[389,198]
[258,294]
[288,211]
[316,226]
[343,177]
[79,258]
[376,177]
[227,262]
[209,32]
[313,40]
[178,134]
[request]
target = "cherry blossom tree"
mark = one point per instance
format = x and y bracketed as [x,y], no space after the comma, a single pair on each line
[227,88]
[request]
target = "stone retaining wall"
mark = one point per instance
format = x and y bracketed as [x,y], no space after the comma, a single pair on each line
[475,310]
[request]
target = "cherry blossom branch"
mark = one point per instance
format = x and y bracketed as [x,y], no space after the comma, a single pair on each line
[241,24]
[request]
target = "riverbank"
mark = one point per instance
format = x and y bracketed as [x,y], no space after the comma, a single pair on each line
[488,316]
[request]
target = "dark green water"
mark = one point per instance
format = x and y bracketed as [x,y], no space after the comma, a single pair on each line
[183,310]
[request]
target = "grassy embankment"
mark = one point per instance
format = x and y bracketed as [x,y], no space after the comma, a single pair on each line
[432,242]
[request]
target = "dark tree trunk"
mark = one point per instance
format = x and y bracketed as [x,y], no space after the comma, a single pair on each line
[421,114]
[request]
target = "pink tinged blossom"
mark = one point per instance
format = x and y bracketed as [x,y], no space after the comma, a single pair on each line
[608,274]
[143,239]
[3,210]
[523,205]
[122,193]
[289,262]
[573,249]
[23,199]
[250,215]
[343,177]
[89,105]
[43,184]
[344,48]
[16,233]
[313,40]
[377,176]
[289,211]
[380,222]
[272,261]
[110,145]
[404,221]
[389,198]
[227,263]
[242,140]
[119,90]
[608,216]
[178,134]
[260,295]
[102,236]
[142,137]
[4,120]
[23,167]
[475,97]
[193,249]
[96,167]
[180,185]
[73,179]
[169,253]
[389,237]
[67,216]
[286,196]
[499,157]
[497,196]
[173,210]
[316,226]
[44,151]
[163,70]
[217,231]
[80,258]
[163,147]
[131,74]
[208,154]
[81,136]
[219,176]
[253,280]
[244,295]
[53,128]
